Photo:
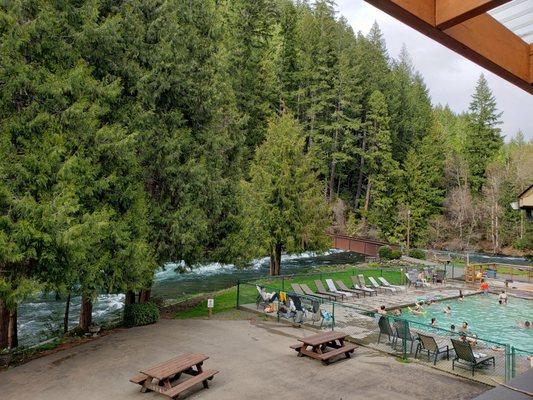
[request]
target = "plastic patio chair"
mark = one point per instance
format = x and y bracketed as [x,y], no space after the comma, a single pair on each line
[464,353]
[429,344]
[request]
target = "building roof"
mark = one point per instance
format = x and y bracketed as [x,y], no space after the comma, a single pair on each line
[524,383]
[496,34]
[525,191]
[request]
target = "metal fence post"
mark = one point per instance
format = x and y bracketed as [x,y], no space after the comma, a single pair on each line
[333,317]
[513,362]
[238,292]
[507,363]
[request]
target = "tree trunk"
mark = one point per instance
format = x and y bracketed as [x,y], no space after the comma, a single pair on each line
[275,260]
[67,311]
[144,296]
[130,297]
[4,325]
[86,313]
[12,334]
[367,196]
[360,175]
[333,166]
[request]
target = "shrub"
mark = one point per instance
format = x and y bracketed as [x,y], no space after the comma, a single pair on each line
[395,254]
[140,314]
[416,253]
[385,252]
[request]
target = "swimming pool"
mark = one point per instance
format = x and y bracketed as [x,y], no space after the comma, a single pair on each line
[486,318]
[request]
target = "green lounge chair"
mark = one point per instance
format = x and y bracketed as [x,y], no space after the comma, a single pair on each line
[385,328]
[465,355]
[429,344]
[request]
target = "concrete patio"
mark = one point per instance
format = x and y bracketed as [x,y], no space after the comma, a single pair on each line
[254,359]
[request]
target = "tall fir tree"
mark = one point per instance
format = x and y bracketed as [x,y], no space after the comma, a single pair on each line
[483,140]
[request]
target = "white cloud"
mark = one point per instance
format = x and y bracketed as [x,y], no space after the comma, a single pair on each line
[449,76]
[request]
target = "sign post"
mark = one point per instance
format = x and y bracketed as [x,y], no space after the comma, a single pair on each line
[210,305]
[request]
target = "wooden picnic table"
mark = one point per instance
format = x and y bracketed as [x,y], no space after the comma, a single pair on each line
[163,377]
[321,345]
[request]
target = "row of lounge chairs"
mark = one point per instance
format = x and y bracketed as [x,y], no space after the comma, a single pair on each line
[464,354]
[338,291]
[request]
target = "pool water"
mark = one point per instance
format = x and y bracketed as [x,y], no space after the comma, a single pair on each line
[486,318]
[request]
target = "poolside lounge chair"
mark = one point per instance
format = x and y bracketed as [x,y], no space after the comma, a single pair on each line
[429,344]
[297,289]
[377,286]
[356,286]
[440,276]
[413,280]
[322,290]
[385,328]
[385,282]
[403,333]
[465,355]
[362,283]
[345,288]
[307,291]
[332,288]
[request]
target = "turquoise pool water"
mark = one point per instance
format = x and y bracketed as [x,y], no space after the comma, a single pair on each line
[486,318]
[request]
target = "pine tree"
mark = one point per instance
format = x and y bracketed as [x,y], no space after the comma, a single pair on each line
[383,170]
[483,139]
[283,207]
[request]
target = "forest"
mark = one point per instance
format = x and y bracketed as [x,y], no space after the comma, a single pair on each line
[133,133]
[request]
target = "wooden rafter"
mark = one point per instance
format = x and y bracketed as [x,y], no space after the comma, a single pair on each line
[470,31]
[452,12]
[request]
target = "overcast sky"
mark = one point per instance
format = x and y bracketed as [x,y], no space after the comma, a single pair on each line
[450,77]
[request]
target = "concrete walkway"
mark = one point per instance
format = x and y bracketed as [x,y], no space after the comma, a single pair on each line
[254,359]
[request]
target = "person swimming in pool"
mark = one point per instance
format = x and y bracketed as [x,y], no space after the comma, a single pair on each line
[502,297]
[417,310]
[447,310]
[464,327]
[461,295]
[433,321]
[525,325]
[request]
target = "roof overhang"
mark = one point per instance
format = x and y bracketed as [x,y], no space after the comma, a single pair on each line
[467,27]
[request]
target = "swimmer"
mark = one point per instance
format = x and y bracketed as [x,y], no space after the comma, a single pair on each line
[397,312]
[416,310]
[502,298]
[461,295]
[464,327]
[447,310]
[382,310]
[433,321]
[525,325]
[452,328]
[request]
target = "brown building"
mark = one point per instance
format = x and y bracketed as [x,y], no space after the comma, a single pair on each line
[525,202]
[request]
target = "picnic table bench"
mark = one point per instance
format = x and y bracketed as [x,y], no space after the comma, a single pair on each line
[324,346]
[162,378]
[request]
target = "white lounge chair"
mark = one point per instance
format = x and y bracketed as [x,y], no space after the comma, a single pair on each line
[333,288]
[377,286]
[364,289]
[385,282]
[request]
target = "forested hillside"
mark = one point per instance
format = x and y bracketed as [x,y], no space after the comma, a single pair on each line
[138,132]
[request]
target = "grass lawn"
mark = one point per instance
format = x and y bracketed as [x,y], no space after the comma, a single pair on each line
[226,300]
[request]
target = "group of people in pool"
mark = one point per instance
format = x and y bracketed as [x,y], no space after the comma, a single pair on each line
[418,309]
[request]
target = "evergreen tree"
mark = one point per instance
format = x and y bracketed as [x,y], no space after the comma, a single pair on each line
[483,139]
[283,206]
[383,170]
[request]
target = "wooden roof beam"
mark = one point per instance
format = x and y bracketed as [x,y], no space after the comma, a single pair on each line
[452,12]
[481,39]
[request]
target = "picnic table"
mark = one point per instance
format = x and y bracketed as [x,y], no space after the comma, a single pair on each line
[162,378]
[324,346]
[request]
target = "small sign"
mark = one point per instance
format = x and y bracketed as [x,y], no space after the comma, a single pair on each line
[210,303]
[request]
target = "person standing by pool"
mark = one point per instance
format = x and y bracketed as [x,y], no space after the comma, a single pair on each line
[484,286]
[502,298]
